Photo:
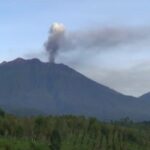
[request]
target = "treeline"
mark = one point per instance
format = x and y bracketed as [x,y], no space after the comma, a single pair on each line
[71,133]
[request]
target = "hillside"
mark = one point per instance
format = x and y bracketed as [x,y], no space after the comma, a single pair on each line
[145,97]
[31,87]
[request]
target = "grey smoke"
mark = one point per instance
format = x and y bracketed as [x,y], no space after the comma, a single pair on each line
[54,40]
[99,39]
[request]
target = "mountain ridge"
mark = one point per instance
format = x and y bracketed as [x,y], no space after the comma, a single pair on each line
[57,89]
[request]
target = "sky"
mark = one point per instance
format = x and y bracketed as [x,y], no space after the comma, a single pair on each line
[24,27]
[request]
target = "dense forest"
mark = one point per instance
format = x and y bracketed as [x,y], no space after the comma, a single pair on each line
[71,133]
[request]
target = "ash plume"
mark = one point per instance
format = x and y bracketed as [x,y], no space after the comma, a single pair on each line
[93,39]
[54,40]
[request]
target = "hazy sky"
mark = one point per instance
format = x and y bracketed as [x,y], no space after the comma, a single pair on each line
[24,26]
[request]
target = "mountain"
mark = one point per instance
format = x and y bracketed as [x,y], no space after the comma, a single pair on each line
[145,97]
[31,87]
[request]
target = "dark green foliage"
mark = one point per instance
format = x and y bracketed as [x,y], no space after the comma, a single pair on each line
[2,113]
[71,133]
[55,140]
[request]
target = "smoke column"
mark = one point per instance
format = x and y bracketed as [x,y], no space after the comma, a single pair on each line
[93,39]
[55,39]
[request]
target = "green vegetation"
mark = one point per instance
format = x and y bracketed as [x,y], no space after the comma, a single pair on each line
[71,133]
